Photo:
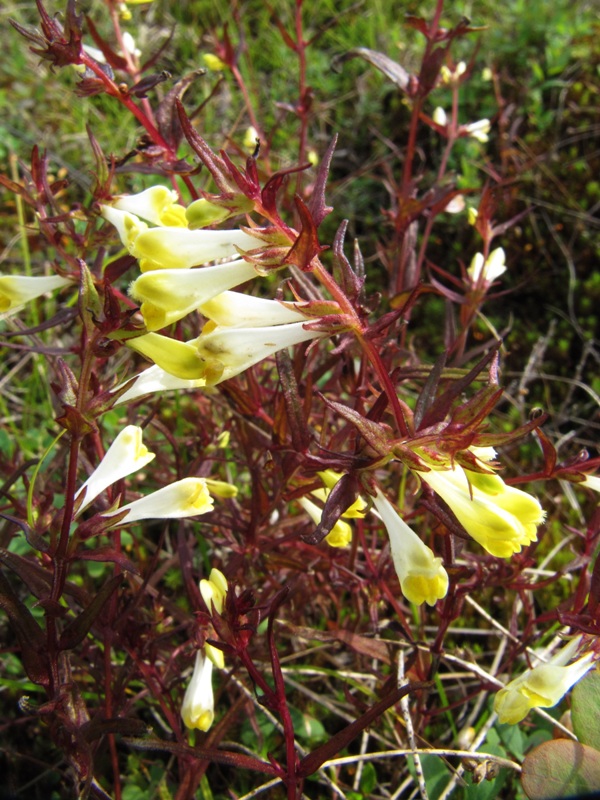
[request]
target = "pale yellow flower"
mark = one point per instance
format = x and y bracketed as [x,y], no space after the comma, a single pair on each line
[16,290]
[542,686]
[198,707]
[422,576]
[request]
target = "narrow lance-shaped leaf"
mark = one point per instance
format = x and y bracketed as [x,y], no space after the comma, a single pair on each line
[318,208]
[339,500]
[293,403]
[76,631]
[29,634]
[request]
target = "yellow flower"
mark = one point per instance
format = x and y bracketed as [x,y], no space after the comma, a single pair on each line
[341,533]
[158,205]
[16,290]
[173,246]
[168,295]
[214,591]
[542,686]
[422,576]
[198,707]
[501,518]
[214,62]
[188,497]
[358,509]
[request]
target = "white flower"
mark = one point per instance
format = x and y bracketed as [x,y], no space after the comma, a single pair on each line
[15,290]
[130,45]
[486,271]
[126,454]
[439,116]
[155,379]
[188,497]
[198,707]
[168,295]
[225,352]
[478,130]
[172,247]
[542,686]
[219,353]
[422,576]
[591,482]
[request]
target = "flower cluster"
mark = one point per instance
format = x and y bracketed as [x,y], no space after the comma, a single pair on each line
[179,277]
[500,518]
[189,497]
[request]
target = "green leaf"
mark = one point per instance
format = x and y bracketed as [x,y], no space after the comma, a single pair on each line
[585,710]
[559,769]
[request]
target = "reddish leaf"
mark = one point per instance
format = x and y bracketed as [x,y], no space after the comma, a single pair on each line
[116,61]
[561,768]
[77,630]
[306,247]
[29,634]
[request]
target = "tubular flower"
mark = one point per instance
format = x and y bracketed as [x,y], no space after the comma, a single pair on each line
[168,247]
[198,707]
[341,533]
[126,454]
[219,353]
[542,686]
[225,352]
[237,310]
[422,576]
[486,271]
[501,518]
[168,295]
[157,204]
[179,359]
[155,379]
[591,482]
[16,290]
[188,497]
